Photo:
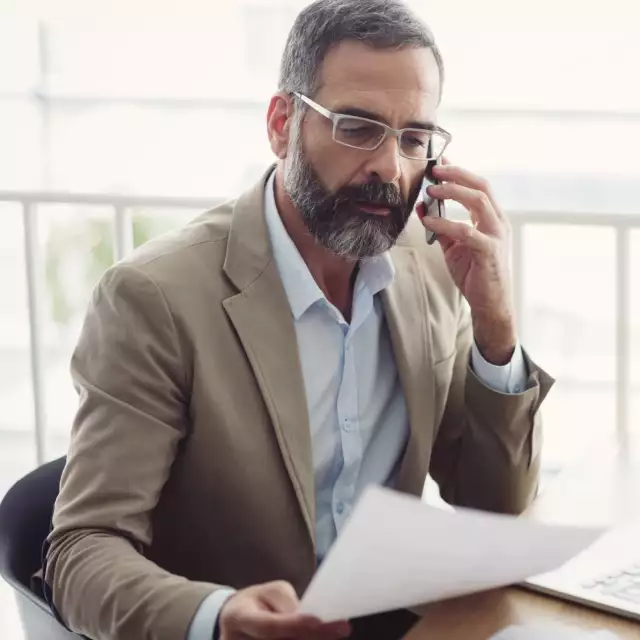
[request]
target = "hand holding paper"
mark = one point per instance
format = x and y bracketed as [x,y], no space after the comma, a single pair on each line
[397,552]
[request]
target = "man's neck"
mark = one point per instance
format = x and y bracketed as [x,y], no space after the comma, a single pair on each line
[333,274]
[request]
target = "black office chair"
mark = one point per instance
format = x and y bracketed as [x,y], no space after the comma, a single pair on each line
[25,518]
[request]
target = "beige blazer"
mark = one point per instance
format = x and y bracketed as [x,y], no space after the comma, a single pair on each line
[190,458]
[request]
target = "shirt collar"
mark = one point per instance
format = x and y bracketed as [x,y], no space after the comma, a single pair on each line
[375,273]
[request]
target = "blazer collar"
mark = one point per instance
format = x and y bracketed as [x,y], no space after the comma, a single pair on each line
[248,249]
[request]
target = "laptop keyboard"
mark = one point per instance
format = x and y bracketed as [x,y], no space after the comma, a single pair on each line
[623,584]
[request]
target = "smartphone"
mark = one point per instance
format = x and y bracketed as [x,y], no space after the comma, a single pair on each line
[433,206]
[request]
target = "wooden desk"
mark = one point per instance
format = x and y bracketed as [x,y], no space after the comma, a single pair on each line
[601,488]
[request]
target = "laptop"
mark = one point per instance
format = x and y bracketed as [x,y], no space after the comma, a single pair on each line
[605,576]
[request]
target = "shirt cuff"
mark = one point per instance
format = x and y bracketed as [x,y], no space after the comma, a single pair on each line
[205,619]
[509,378]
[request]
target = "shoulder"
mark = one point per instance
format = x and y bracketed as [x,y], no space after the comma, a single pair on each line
[179,263]
[206,235]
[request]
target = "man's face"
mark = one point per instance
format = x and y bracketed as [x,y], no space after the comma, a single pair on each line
[355,202]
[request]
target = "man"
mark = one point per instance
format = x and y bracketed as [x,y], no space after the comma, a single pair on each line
[242,380]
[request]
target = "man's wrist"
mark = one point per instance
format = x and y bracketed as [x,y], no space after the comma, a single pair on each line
[496,338]
[217,629]
[207,617]
[498,356]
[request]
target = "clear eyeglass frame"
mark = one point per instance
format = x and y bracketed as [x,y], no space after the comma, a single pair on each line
[337,118]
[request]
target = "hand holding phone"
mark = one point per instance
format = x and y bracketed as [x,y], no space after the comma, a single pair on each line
[433,207]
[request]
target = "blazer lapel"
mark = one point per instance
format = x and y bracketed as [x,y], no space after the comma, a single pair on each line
[261,315]
[406,307]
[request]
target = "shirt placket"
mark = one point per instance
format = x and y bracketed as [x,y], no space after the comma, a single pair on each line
[348,416]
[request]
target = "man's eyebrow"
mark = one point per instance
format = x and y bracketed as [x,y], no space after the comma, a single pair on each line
[364,113]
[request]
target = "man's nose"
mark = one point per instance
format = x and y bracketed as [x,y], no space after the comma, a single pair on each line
[385,161]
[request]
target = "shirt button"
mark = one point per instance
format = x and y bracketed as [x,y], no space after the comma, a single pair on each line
[340,508]
[346,425]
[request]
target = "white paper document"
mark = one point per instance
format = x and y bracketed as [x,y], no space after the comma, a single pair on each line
[396,551]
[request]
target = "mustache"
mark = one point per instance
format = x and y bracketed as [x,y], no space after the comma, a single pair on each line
[376,193]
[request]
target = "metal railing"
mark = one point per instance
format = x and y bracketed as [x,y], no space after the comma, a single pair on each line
[121,207]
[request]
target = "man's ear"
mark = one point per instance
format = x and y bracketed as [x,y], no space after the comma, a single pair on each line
[279,121]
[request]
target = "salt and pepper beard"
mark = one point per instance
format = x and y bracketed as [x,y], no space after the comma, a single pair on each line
[334,220]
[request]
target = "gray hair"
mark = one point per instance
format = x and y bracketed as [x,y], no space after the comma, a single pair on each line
[381,24]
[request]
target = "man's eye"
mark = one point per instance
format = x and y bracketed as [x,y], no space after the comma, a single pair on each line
[357,130]
[414,141]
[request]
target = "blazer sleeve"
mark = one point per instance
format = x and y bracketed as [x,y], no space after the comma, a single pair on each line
[486,454]
[130,375]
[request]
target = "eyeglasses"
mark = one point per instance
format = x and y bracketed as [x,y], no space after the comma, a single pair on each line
[362,133]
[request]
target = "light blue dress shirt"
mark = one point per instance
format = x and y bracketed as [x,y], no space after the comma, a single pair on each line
[357,412]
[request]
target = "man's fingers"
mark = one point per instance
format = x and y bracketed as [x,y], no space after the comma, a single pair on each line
[476,202]
[269,612]
[458,256]
[446,243]
[448,172]
[279,597]
[452,173]
[267,625]
[449,232]
[276,626]
[332,631]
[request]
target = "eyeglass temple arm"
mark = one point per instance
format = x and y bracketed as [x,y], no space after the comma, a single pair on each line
[314,105]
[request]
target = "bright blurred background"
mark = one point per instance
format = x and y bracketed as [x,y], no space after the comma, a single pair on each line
[542,98]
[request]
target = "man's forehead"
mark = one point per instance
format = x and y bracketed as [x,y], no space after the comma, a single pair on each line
[405,79]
